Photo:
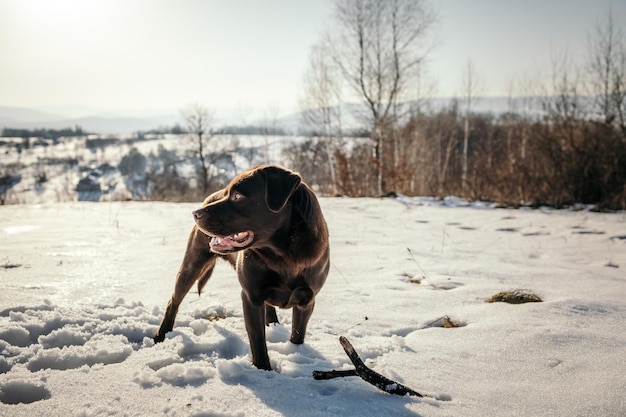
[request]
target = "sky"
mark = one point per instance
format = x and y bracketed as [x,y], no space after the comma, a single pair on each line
[241,54]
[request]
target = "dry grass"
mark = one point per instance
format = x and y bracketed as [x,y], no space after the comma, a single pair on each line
[6,264]
[515,297]
[218,314]
[411,279]
[445,322]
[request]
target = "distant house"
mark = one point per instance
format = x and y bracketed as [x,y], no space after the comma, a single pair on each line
[6,183]
[89,189]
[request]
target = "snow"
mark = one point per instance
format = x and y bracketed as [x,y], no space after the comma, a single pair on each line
[83,287]
[68,161]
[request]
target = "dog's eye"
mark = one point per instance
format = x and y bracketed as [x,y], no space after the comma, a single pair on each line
[236,196]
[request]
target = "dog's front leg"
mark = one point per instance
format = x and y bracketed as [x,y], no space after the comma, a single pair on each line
[197,265]
[303,300]
[254,317]
[301,318]
[270,315]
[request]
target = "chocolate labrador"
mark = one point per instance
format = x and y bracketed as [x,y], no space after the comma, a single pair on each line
[268,224]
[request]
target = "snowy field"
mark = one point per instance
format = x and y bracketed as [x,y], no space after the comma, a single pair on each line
[83,287]
[62,177]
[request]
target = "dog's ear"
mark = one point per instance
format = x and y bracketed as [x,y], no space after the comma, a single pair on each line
[280,184]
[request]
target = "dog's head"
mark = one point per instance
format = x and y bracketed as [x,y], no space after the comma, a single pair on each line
[250,210]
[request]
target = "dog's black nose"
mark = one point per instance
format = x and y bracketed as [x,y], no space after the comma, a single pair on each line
[198,214]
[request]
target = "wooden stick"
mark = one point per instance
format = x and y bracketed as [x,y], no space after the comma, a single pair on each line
[361,370]
[373,377]
[319,375]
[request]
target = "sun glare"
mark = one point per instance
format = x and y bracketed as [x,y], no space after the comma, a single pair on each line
[60,13]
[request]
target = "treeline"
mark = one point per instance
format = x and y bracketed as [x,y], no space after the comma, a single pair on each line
[556,160]
[177,129]
[43,133]
[573,150]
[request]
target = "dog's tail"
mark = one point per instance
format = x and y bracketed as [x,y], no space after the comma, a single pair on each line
[202,282]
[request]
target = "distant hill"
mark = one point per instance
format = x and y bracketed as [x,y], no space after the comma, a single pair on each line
[126,122]
[117,122]
[12,115]
[23,118]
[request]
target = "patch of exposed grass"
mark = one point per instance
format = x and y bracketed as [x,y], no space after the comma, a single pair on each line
[446,322]
[515,297]
[219,313]
[6,264]
[411,279]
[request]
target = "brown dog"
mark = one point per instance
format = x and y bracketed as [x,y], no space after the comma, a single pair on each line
[268,224]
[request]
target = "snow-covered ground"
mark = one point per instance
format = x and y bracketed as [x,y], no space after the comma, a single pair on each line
[69,160]
[83,287]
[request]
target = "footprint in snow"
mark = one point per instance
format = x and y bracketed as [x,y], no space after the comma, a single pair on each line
[59,338]
[589,232]
[449,285]
[507,229]
[21,391]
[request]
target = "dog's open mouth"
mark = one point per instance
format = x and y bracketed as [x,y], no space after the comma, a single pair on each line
[231,243]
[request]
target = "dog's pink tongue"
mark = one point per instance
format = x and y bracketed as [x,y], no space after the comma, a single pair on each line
[217,241]
[238,240]
[221,243]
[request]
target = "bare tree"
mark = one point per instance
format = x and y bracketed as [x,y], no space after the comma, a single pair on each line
[446,141]
[470,87]
[607,72]
[199,123]
[321,105]
[270,128]
[563,98]
[379,47]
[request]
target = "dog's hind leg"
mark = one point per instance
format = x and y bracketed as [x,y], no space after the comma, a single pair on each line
[197,266]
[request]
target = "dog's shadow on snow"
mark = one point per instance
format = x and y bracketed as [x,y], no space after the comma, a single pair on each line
[291,390]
